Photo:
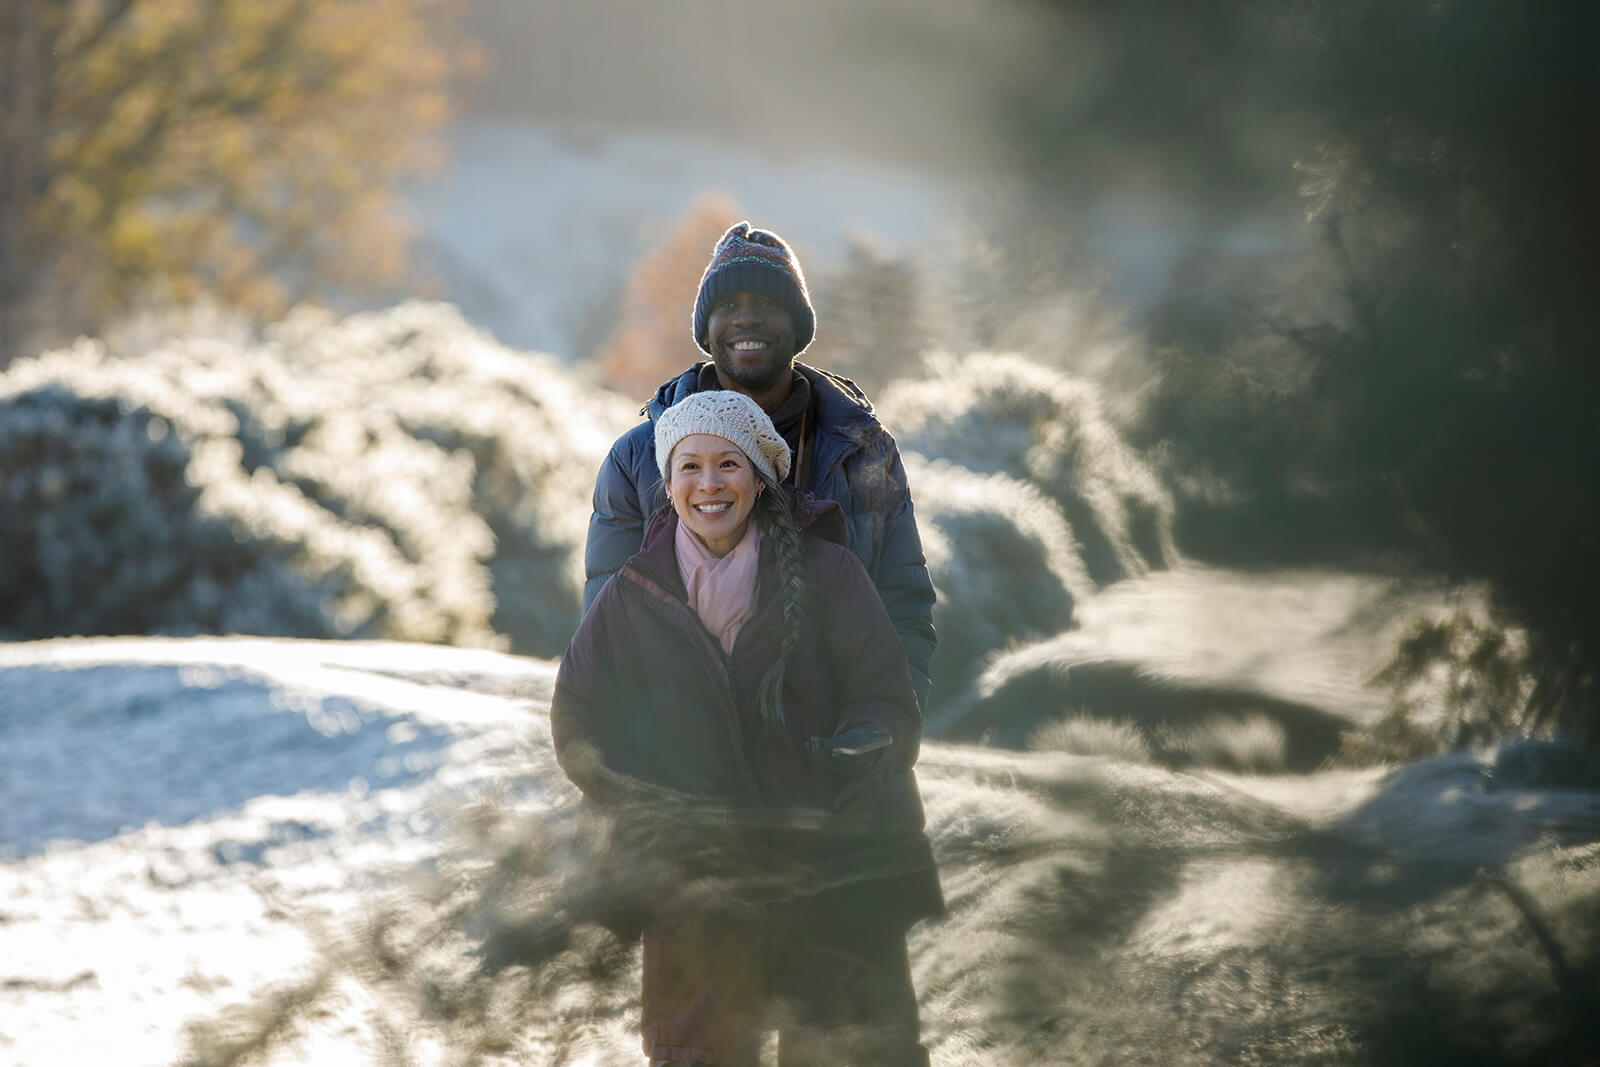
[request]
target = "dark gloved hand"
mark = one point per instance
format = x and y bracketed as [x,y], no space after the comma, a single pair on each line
[858,743]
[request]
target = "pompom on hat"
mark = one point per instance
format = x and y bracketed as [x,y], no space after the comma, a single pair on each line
[729,415]
[755,261]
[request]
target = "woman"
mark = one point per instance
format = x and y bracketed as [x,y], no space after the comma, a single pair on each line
[738,697]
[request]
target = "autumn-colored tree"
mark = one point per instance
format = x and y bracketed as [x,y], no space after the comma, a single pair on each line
[239,149]
[652,341]
[20,141]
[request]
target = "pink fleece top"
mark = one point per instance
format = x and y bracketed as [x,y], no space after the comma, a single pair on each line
[722,590]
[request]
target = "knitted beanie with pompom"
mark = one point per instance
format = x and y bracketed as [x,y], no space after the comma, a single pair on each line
[755,261]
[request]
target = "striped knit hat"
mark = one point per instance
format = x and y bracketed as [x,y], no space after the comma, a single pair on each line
[756,261]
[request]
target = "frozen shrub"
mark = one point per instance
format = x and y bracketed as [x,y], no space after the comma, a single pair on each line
[530,433]
[1001,414]
[1251,744]
[396,474]
[1003,561]
[1085,735]
[102,533]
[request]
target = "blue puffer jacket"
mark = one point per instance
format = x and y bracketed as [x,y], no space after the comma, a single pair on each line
[856,463]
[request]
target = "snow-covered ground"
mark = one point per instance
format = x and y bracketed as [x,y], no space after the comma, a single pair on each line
[178,819]
[186,823]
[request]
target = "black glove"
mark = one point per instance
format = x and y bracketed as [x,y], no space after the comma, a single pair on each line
[842,765]
[857,743]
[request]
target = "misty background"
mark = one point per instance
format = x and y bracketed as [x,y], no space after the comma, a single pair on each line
[1240,358]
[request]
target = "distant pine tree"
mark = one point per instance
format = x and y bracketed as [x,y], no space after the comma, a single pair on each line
[875,330]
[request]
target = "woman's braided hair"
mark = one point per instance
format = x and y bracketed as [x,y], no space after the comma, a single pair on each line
[775,511]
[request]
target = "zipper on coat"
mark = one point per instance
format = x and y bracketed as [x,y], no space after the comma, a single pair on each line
[683,616]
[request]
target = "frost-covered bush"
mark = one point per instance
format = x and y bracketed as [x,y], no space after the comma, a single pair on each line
[1002,414]
[1249,744]
[101,532]
[1004,564]
[1085,735]
[394,474]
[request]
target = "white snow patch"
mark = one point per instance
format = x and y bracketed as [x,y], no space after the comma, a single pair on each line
[112,939]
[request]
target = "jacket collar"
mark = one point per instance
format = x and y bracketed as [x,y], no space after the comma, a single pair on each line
[844,417]
[840,401]
[844,414]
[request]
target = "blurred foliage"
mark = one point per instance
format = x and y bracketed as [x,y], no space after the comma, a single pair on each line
[494,955]
[1412,377]
[389,475]
[1453,681]
[1035,288]
[654,339]
[242,149]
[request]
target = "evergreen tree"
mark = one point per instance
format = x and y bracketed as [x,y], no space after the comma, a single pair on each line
[875,330]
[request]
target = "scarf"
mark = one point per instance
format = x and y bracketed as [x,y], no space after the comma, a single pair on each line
[722,590]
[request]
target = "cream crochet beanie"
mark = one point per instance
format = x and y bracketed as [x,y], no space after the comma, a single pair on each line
[729,415]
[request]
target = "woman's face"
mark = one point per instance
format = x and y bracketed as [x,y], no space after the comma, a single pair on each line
[713,488]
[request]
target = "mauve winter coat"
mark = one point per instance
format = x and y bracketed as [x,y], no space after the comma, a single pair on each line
[646,693]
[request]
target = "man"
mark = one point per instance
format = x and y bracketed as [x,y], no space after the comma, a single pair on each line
[752,316]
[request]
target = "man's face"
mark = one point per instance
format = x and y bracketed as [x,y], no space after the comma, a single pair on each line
[751,337]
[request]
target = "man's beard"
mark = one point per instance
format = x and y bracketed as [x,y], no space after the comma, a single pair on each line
[756,379]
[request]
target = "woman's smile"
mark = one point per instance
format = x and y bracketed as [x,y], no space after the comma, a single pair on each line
[713,487]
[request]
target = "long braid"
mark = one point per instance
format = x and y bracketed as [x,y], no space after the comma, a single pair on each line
[778,522]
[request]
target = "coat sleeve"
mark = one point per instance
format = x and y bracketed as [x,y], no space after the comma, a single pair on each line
[865,653]
[590,694]
[902,576]
[616,526]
